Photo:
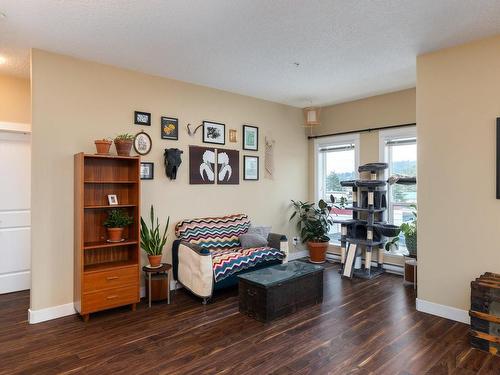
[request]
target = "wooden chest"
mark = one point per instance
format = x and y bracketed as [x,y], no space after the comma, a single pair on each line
[485,313]
[274,297]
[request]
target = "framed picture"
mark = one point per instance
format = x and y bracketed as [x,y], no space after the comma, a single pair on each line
[169,128]
[232,135]
[201,165]
[214,132]
[112,199]
[142,118]
[250,138]
[250,168]
[147,171]
[142,143]
[228,167]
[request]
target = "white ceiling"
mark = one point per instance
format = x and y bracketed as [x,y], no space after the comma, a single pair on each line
[347,49]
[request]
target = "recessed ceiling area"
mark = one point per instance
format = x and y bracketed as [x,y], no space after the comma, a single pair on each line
[288,51]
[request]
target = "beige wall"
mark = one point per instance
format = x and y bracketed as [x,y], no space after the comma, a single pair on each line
[15,99]
[459,218]
[75,102]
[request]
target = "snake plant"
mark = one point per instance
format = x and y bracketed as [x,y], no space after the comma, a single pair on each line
[151,241]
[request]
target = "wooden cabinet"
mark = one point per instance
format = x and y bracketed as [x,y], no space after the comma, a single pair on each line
[106,275]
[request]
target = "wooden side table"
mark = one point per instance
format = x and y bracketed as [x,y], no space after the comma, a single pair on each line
[163,269]
[410,270]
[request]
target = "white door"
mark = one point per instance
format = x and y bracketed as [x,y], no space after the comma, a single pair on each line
[15,179]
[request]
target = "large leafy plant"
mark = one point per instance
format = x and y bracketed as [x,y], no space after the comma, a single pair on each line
[118,218]
[313,223]
[409,230]
[151,241]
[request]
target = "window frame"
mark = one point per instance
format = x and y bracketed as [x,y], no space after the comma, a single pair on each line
[332,141]
[387,135]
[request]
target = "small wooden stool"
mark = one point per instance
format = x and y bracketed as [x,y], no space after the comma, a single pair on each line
[160,275]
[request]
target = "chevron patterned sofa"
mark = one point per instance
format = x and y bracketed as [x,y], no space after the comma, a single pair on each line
[208,255]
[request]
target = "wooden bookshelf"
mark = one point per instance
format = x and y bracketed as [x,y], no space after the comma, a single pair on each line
[106,275]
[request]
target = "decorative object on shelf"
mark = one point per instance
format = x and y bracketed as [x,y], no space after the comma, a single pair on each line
[151,241]
[103,146]
[112,199]
[142,118]
[172,158]
[147,170]
[250,168]
[214,132]
[311,116]
[232,135]
[123,144]
[269,158]
[190,132]
[201,165]
[228,167]
[250,138]
[169,128]
[142,143]
[116,222]
[313,226]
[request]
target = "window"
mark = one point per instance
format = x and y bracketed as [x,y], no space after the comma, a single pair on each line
[336,160]
[398,148]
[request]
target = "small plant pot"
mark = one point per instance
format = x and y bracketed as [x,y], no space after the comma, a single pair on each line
[115,234]
[154,260]
[317,251]
[102,147]
[123,147]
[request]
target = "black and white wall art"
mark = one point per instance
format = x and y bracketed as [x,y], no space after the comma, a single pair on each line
[142,118]
[142,143]
[250,168]
[202,162]
[250,138]
[214,132]
[228,167]
[147,171]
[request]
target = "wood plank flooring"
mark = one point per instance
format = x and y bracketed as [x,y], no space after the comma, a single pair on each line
[362,327]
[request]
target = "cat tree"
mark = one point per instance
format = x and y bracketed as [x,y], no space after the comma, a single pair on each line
[367,229]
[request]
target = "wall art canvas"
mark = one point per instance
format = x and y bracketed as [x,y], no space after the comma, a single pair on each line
[202,162]
[250,138]
[147,171]
[142,143]
[214,132]
[250,168]
[228,167]
[169,128]
[232,135]
[142,118]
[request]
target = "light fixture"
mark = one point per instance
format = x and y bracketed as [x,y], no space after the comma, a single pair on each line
[3,60]
[311,115]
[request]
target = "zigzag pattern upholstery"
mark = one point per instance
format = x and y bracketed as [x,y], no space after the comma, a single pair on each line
[213,232]
[228,262]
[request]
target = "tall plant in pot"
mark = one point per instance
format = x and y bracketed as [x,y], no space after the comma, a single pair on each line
[409,230]
[313,225]
[151,240]
[116,222]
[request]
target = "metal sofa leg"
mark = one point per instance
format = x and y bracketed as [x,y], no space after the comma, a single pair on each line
[205,300]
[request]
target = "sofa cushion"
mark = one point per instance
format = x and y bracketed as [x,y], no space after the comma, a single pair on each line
[228,262]
[249,240]
[260,229]
[213,232]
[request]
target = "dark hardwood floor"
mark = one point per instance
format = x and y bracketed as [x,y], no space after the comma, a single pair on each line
[362,327]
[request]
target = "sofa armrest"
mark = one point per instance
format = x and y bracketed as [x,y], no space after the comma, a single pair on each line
[175,254]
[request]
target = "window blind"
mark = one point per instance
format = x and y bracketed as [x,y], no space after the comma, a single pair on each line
[401,141]
[345,147]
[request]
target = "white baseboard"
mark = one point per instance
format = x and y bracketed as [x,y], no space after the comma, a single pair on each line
[54,312]
[443,311]
[14,282]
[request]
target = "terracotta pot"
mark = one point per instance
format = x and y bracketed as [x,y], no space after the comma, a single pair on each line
[115,234]
[154,260]
[317,251]
[123,147]
[102,147]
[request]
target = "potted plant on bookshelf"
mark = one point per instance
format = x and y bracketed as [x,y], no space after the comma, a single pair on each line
[123,144]
[103,146]
[151,241]
[116,222]
[313,225]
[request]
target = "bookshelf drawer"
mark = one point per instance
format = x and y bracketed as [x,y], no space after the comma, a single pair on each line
[109,298]
[96,281]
